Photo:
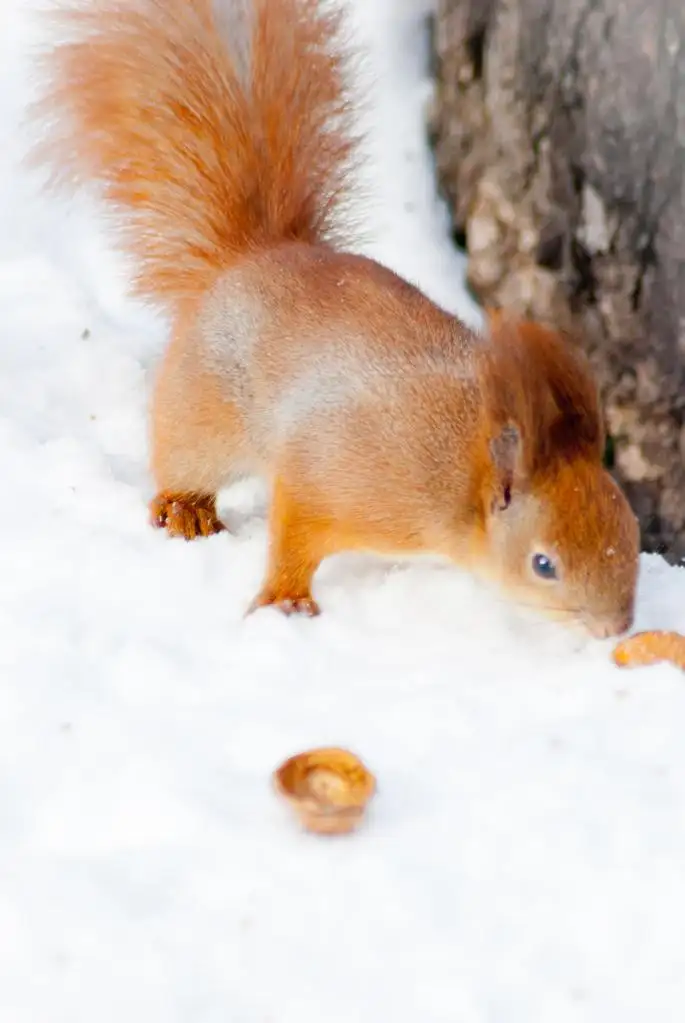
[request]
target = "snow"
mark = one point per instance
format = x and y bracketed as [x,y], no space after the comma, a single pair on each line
[523,859]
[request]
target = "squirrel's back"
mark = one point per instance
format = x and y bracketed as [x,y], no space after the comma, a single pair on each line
[214,127]
[307,341]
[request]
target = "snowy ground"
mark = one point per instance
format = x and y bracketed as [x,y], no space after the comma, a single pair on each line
[524,860]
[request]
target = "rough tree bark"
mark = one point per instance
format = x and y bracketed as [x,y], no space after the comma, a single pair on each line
[559,134]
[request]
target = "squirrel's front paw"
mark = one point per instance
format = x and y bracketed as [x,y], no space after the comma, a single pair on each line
[186,515]
[302,605]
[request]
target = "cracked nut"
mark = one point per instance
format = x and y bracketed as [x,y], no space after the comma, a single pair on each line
[328,789]
[650,648]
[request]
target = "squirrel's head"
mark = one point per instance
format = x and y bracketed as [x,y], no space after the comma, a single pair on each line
[567,545]
[560,534]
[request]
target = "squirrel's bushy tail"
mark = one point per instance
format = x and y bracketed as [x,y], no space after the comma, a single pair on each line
[213,126]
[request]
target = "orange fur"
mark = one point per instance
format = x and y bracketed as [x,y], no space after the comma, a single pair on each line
[221,134]
[207,150]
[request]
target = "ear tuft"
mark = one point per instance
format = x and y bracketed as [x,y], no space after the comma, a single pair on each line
[540,379]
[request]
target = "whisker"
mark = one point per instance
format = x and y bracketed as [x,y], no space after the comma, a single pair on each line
[577,611]
[576,642]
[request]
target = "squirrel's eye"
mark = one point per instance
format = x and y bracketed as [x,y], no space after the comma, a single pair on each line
[544,566]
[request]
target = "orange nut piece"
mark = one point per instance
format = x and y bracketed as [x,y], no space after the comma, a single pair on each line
[651,648]
[328,788]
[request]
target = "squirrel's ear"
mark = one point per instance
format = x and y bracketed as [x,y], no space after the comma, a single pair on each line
[505,450]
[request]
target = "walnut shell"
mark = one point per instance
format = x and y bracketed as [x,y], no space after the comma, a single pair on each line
[650,648]
[328,789]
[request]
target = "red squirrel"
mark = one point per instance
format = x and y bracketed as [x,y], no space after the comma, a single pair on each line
[223,139]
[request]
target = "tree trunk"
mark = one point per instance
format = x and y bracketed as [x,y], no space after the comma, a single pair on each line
[559,133]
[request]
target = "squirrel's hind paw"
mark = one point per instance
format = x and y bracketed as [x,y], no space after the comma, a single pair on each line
[186,515]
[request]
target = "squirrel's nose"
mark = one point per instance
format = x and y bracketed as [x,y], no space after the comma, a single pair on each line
[603,628]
